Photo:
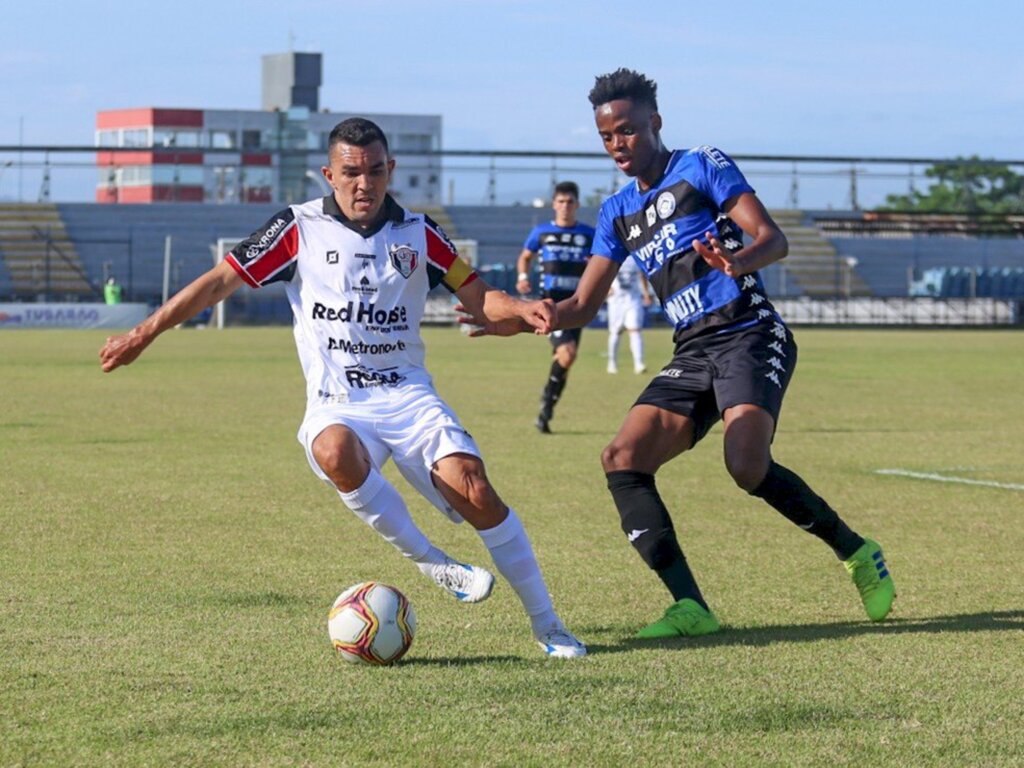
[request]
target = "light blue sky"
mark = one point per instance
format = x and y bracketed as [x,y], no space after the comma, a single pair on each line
[899,78]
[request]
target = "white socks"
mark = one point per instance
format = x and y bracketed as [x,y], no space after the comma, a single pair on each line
[378,504]
[636,346]
[613,347]
[510,548]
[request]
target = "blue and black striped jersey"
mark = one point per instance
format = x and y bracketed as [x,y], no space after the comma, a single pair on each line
[657,228]
[563,256]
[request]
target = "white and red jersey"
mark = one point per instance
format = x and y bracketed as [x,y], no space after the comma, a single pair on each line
[358,296]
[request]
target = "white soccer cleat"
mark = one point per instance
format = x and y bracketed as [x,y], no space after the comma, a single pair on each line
[612,368]
[559,643]
[469,583]
[638,369]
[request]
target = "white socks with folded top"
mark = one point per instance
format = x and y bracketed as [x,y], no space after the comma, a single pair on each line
[510,548]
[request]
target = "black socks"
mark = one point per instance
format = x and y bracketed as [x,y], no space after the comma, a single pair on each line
[791,496]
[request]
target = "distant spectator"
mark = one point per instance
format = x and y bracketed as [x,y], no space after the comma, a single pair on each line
[112,291]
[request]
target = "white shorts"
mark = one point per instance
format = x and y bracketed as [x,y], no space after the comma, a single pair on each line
[625,313]
[416,429]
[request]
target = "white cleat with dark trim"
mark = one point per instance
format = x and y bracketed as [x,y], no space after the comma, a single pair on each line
[559,643]
[469,583]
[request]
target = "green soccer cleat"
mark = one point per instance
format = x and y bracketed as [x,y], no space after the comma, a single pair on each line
[871,576]
[687,618]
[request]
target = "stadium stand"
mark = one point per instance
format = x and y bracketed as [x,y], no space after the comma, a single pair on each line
[38,255]
[832,254]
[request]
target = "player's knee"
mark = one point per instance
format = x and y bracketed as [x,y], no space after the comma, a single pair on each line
[617,456]
[747,472]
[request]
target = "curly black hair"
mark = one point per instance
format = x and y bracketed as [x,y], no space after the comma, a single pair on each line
[624,84]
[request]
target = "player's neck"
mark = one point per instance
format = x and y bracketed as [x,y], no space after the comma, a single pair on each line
[565,222]
[653,173]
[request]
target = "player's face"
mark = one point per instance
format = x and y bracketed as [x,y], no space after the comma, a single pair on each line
[629,131]
[565,207]
[359,177]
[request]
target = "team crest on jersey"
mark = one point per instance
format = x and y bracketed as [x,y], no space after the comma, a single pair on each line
[666,204]
[580,240]
[404,259]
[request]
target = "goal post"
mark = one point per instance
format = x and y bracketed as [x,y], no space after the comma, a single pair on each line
[223,246]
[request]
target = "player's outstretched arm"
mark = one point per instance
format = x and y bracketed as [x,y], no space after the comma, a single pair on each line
[580,308]
[205,291]
[769,244]
[495,313]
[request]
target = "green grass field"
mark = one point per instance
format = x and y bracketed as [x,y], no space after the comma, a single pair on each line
[167,561]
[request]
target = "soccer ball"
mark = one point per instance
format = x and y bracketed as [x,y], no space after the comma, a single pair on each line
[371,623]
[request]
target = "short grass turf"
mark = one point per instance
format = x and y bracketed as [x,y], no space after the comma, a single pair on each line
[167,561]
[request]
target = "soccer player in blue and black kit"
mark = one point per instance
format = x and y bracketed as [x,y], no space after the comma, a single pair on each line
[683,220]
[564,247]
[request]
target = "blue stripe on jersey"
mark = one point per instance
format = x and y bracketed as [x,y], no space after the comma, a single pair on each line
[699,298]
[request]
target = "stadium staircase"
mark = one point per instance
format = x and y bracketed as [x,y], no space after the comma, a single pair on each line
[814,263]
[39,257]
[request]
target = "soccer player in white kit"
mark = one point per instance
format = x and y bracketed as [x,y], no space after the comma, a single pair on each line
[357,268]
[628,297]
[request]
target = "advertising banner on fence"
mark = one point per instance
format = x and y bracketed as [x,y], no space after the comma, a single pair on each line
[71,315]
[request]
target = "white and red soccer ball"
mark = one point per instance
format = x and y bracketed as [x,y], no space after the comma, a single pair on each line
[371,623]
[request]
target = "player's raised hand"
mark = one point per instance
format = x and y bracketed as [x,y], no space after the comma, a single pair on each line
[718,256]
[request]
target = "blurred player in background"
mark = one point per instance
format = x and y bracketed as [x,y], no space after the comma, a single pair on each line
[564,247]
[683,220]
[627,302]
[357,268]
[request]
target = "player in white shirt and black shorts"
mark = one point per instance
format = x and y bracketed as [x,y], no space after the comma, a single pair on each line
[357,268]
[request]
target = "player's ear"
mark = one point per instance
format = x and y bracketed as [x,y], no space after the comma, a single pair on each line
[326,171]
[656,123]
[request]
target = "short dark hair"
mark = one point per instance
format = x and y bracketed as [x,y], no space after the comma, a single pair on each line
[357,132]
[567,188]
[624,84]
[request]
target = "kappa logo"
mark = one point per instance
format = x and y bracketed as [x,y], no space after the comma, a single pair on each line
[636,534]
[404,259]
[332,257]
[749,282]
[634,232]
[666,204]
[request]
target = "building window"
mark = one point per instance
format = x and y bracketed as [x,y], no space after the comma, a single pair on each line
[106,138]
[168,137]
[222,139]
[135,137]
[250,140]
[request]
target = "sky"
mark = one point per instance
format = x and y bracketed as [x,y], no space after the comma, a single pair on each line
[902,78]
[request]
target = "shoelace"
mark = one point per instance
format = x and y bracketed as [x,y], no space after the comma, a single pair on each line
[560,637]
[455,576]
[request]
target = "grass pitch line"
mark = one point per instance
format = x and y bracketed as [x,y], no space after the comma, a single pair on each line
[947,479]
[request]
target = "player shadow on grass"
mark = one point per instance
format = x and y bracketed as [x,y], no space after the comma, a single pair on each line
[461,661]
[809,633]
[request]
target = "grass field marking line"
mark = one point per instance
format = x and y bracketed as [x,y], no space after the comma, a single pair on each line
[945,479]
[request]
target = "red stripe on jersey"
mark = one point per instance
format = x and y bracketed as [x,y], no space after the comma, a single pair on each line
[439,249]
[230,259]
[277,256]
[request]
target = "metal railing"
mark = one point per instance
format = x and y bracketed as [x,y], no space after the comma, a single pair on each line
[69,173]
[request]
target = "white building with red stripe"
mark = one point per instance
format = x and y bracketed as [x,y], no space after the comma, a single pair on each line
[252,156]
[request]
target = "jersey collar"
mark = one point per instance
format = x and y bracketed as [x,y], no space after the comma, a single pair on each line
[391,212]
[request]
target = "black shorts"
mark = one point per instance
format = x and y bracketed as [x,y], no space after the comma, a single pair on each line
[565,336]
[711,373]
